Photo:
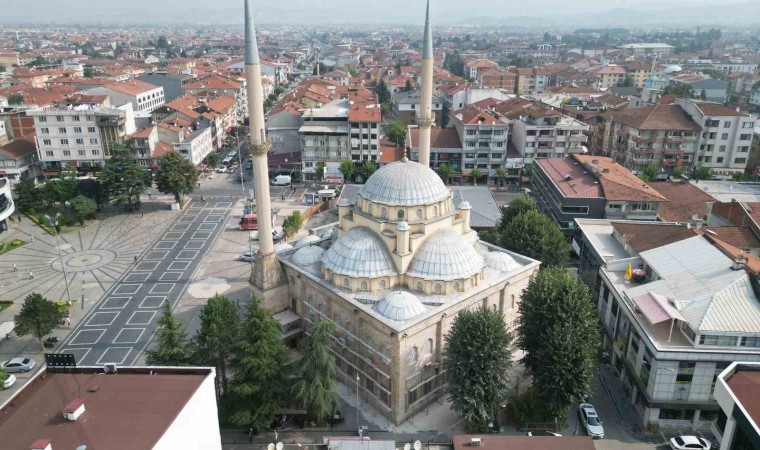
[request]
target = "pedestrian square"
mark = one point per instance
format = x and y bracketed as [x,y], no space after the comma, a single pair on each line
[115,303]
[152,301]
[162,288]
[127,289]
[223,205]
[213,218]
[156,255]
[181,227]
[188,218]
[194,245]
[171,276]
[137,276]
[146,266]
[201,235]
[187,254]
[173,236]
[207,227]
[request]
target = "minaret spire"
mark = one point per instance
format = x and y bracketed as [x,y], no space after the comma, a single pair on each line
[426,118]
[267,276]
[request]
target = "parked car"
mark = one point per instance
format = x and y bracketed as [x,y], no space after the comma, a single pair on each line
[542,433]
[689,443]
[590,420]
[18,365]
[221,169]
[8,382]
[246,256]
[281,180]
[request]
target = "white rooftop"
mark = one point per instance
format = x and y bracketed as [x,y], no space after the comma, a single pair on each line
[726,191]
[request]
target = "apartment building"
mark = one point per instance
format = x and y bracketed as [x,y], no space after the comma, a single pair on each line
[540,131]
[498,78]
[608,75]
[738,423]
[196,146]
[445,148]
[325,139]
[726,138]
[686,311]
[364,120]
[659,135]
[144,97]
[17,157]
[484,140]
[639,71]
[590,187]
[648,48]
[475,67]
[212,87]
[407,107]
[82,135]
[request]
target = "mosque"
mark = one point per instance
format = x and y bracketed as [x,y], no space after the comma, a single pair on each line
[393,276]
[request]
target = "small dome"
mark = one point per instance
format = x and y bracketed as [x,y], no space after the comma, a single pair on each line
[404,183]
[501,262]
[464,205]
[359,253]
[344,202]
[281,247]
[402,226]
[306,240]
[446,255]
[399,305]
[673,68]
[306,256]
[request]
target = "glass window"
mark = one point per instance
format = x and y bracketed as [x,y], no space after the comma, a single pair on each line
[438,288]
[419,286]
[345,283]
[414,354]
[430,346]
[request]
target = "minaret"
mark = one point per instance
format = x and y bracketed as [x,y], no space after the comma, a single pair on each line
[426,119]
[267,277]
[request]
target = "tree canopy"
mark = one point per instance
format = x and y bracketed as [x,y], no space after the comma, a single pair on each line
[347,168]
[445,171]
[217,336]
[84,208]
[315,375]
[536,236]
[123,179]
[292,224]
[479,361]
[38,317]
[27,195]
[396,132]
[170,348]
[368,168]
[559,333]
[176,175]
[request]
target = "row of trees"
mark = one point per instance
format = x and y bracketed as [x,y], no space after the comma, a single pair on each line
[251,361]
[348,169]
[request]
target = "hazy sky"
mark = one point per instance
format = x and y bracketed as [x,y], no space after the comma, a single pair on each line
[359,11]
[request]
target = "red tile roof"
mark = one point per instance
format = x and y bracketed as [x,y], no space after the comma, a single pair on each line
[131,87]
[656,117]
[685,200]
[439,138]
[362,112]
[221,104]
[472,115]
[617,182]
[643,236]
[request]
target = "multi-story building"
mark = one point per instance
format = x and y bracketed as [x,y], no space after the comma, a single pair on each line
[639,71]
[144,97]
[3,134]
[738,423]
[475,67]
[407,107]
[196,146]
[685,312]
[659,135]
[608,76]
[364,120]
[445,148]
[209,88]
[17,157]
[726,138]
[484,140]
[653,48]
[7,207]
[83,135]
[498,78]
[590,187]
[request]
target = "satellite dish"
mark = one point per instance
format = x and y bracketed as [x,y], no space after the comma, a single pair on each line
[407,446]
[279,446]
[270,446]
[417,445]
[82,447]
[695,217]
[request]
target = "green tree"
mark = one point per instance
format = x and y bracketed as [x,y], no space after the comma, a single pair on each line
[479,361]
[162,42]
[347,168]
[445,171]
[88,72]
[737,176]
[703,173]
[323,69]
[703,95]
[84,208]
[319,171]
[407,85]
[3,376]
[315,376]
[15,99]
[500,174]
[176,175]
[684,90]
[212,160]
[558,330]
[383,94]
[123,179]
[38,317]
[217,337]
[292,224]
[368,168]
[649,173]
[27,194]
[520,205]
[475,174]
[255,393]
[67,183]
[2,68]
[170,348]
[396,132]
[626,82]
[676,173]
[732,100]
[536,236]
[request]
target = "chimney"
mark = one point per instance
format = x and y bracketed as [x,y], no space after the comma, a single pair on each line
[476,442]
[41,444]
[73,410]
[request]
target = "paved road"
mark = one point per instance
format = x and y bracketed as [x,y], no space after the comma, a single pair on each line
[121,325]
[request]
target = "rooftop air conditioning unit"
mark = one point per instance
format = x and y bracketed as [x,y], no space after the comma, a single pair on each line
[476,442]
[109,368]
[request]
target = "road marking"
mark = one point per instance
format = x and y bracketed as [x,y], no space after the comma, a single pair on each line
[194,244]
[156,255]
[213,218]
[162,288]
[201,235]
[188,218]
[187,254]
[223,205]
[179,265]
[87,337]
[102,319]
[129,336]
[207,227]
[116,351]
[165,245]
[76,351]
[115,303]
[128,289]
[152,301]
[148,266]
[181,227]
[173,236]
[170,276]
[141,318]
[138,276]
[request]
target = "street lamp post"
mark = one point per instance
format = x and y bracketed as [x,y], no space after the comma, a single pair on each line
[53,221]
[358,427]
[242,189]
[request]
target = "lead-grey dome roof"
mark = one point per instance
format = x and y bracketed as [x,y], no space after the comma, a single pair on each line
[404,183]
[306,240]
[359,253]
[446,255]
[306,256]
[501,262]
[399,305]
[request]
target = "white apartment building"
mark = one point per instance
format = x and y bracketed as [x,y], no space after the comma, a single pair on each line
[144,97]
[546,133]
[726,138]
[670,331]
[83,135]
[483,138]
[196,146]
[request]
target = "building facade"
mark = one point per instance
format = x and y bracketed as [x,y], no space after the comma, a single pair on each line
[196,146]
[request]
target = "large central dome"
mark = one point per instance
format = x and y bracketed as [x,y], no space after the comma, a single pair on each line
[404,183]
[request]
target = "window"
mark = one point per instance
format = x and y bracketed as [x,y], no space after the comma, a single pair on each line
[430,346]
[383,213]
[414,354]
[47,142]
[719,159]
[744,149]
[382,284]
[49,153]
[345,283]
[750,341]
[400,214]
[512,301]
[748,124]
[438,288]
[364,286]
[80,141]
[82,152]
[59,118]
[62,130]
[42,119]
[575,209]
[483,155]
[419,213]
[90,129]
[724,136]
[745,137]
[726,124]
[370,342]
[740,160]
[67,153]
[45,130]
[722,148]
[76,118]
[723,341]
[94,141]
[470,155]
[77,129]
[64,142]
[419,285]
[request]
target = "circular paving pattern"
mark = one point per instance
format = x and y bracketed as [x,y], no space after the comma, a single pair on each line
[84,261]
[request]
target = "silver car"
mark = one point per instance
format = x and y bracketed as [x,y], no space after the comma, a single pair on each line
[16,365]
[590,420]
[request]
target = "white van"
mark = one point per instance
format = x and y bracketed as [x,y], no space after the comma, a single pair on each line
[227,161]
[281,180]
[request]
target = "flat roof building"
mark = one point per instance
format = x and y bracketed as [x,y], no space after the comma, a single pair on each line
[737,391]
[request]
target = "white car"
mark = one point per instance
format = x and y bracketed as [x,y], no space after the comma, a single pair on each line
[689,443]
[18,365]
[8,382]
[221,169]
[542,433]
[590,420]
[247,256]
